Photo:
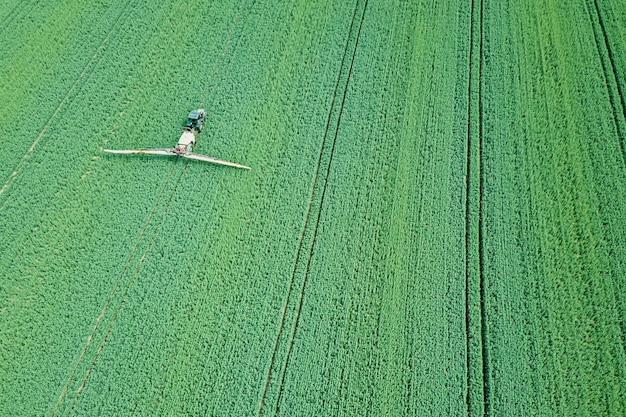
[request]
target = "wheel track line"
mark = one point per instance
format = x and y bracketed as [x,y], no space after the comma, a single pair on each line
[474,225]
[131,255]
[610,78]
[127,289]
[222,56]
[84,71]
[481,225]
[468,170]
[319,212]
[302,233]
[307,216]
[14,11]
[227,66]
[115,286]
[618,123]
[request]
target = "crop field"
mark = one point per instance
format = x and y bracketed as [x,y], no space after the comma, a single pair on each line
[434,223]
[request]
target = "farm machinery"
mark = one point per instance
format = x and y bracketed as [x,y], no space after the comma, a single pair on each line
[184,146]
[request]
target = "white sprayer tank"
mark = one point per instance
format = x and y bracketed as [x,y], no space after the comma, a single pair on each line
[186,141]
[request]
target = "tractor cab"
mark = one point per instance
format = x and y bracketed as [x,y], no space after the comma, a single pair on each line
[195,120]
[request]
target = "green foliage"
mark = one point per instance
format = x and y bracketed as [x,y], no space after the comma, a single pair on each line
[433,223]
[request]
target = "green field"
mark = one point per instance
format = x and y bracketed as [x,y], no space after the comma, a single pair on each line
[434,223]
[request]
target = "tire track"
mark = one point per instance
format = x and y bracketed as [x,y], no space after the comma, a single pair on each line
[616,95]
[231,35]
[14,11]
[477,393]
[619,115]
[329,121]
[481,225]
[127,288]
[138,240]
[468,214]
[90,65]
[113,291]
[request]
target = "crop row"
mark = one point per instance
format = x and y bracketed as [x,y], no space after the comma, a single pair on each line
[553,239]
[432,223]
[79,218]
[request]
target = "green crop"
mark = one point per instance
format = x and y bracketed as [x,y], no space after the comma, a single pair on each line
[433,222]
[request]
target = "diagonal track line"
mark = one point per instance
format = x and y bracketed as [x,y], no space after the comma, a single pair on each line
[220,60]
[477,374]
[613,85]
[84,71]
[319,212]
[111,294]
[481,226]
[308,213]
[468,212]
[138,240]
[4,24]
[127,289]
[619,115]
